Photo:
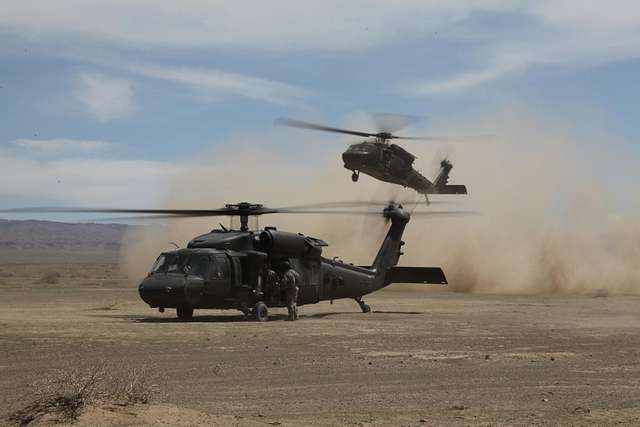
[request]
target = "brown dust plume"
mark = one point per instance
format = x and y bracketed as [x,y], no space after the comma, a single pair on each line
[558,214]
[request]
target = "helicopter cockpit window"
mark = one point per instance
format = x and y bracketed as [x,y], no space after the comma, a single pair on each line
[197,265]
[167,263]
[172,265]
[158,264]
[359,148]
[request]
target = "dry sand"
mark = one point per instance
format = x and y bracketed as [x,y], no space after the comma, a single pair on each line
[421,358]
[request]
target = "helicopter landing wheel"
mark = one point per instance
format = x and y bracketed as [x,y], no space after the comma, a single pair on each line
[364,307]
[354,176]
[184,313]
[261,312]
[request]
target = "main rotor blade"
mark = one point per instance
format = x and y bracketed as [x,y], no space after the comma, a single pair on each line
[144,218]
[383,135]
[199,213]
[306,125]
[450,138]
[390,123]
[378,213]
[363,203]
[445,213]
[175,212]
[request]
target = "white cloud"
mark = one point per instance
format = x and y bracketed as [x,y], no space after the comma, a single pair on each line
[459,82]
[567,32]
[87,182]
[56,145]
[577,32]
[220,82]
[274,25]
[107,98]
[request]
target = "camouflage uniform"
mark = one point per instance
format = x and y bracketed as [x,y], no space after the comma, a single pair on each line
[290,281]
[271,286]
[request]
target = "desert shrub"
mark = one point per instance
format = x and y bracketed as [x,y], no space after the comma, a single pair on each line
[64,393]
[50,278]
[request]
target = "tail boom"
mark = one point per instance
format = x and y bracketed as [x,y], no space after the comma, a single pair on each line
[389,252]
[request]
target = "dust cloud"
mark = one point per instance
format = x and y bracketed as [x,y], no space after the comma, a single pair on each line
[558,213]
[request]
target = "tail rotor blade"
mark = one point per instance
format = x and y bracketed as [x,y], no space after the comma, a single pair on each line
[444,153]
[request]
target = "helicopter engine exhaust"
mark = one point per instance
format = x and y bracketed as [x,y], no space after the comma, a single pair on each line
[284,244]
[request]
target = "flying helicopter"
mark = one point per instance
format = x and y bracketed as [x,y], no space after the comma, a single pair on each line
[380,159]
[222,269]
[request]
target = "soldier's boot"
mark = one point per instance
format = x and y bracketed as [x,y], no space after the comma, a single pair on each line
[246,311]
[290,311]
[295,312]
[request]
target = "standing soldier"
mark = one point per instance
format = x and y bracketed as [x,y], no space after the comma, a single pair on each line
[290,281]
[271,284]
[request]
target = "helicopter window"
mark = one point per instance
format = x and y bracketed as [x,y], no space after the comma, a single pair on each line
[167,263]
[222,265]
[172,265]
[213,270]
[197,265]
[158,264]
[315,273]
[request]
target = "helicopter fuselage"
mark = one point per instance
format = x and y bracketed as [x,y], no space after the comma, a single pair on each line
[386,162]
[222,270]
[222,284]
[392,163]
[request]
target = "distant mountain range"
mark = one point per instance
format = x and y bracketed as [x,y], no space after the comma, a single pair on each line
[48,241]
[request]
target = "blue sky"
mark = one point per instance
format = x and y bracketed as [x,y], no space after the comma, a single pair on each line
[100,101]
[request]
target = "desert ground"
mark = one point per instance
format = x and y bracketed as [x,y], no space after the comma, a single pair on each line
[422,357]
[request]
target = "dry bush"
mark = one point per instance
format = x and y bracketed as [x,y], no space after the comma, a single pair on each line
[50,278]
[64,393]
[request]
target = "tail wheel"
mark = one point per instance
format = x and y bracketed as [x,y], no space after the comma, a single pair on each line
[184,313]
[354,176]
[261,312]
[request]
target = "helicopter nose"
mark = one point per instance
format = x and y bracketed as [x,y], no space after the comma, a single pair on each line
[355,158]
[162,291]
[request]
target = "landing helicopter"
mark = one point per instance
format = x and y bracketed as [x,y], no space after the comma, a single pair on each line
[222,269]
[387,162]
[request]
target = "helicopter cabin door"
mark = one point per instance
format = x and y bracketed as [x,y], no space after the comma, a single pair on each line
[309,292]
[387,157]
[219,276]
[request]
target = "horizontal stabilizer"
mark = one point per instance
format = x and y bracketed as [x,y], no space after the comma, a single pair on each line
[449,189]
[429,275]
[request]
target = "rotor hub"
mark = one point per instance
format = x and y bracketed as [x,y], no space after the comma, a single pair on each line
[243,208]
[384,136]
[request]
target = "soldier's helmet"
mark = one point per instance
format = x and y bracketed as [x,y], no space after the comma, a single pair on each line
[286,265]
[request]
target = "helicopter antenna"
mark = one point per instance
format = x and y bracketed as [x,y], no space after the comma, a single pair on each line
[223,227]
[174,244]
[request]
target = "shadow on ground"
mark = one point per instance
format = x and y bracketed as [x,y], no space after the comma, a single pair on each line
[196,319]
[237,318]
